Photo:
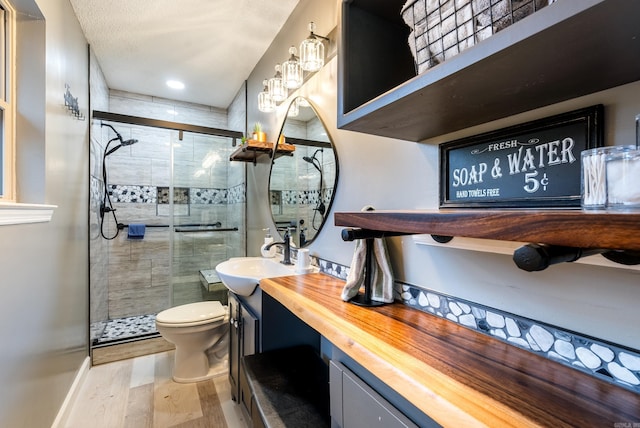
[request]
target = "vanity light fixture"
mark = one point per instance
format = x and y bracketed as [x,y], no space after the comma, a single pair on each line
[312,50]
[265,102]
[277,90]
[292,71]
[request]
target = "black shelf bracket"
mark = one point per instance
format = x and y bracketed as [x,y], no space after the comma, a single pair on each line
[537,257]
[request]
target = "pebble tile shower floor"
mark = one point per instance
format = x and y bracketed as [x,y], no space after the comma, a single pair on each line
[125,328]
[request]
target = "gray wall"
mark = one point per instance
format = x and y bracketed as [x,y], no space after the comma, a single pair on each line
[393,174]
[44,266]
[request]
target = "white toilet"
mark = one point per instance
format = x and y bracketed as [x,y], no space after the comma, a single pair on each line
[200,332]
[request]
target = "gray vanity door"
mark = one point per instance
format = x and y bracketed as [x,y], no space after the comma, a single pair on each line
[354,404]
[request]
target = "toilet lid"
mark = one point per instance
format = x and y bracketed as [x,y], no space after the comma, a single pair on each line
[199,312]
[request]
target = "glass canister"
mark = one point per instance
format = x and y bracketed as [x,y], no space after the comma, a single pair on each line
[594,175]
[623,180]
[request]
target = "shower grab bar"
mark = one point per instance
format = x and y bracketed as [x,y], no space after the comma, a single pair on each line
[190,228]
[187,230]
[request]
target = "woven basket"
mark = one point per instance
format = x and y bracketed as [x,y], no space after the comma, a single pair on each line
[442,29]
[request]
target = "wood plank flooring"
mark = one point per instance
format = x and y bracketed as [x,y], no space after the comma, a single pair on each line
[139,393]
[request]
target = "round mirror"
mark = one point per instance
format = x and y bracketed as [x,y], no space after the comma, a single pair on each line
[304,174]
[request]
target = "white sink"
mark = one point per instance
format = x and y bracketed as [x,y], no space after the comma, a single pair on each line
[241,275]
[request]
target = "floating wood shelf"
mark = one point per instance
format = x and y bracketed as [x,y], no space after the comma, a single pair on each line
[252,149]
[570,228]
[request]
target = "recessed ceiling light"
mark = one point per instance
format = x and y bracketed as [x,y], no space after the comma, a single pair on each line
[174,84]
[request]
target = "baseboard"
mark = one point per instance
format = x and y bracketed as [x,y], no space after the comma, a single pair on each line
[63,414]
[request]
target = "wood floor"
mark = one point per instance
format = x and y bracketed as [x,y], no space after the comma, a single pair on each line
[139,393]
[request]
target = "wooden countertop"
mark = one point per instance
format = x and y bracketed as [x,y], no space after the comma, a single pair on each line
[457,376]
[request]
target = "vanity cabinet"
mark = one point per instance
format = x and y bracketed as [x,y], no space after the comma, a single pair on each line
[354,404]
[243,340]
[565,50]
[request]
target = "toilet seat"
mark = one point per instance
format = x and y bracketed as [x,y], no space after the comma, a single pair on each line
[192,314]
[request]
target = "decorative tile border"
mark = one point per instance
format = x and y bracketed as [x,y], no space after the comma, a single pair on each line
[209,196]
[334,269]
[182,195]
[600,359]
[133,193]
[607,361]
[303,197]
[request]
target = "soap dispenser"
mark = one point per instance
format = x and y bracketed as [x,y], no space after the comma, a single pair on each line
[268,239]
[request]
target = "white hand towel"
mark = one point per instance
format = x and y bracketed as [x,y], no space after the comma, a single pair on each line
[355,278]
[382,282]
[381,273]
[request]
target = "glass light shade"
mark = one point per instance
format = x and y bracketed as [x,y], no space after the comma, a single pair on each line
[311,52]
[292,73]
[277,90]
[265,102]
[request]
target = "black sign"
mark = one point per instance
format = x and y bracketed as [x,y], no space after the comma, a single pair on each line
[536,164]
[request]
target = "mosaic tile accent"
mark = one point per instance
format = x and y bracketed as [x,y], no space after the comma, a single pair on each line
[607,361]
[302,197]
[133,194]
[237,194]
[124,328]
[182,195]
[334,269]
[603,360]
[209,196]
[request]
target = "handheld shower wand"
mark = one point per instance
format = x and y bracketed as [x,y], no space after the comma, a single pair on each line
[320,207]
[106,206]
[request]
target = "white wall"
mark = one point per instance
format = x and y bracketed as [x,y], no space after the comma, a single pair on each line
[393,174]
[44,266]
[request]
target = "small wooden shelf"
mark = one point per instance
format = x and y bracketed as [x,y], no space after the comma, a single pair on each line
[566,50]
[570,228]
[252,149]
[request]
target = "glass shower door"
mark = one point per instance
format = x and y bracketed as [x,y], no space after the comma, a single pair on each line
[207,203]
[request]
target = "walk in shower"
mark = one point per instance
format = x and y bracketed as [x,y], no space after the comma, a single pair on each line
[167,206]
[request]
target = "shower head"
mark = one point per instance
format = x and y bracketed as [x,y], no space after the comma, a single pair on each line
[119,137]
[122,144]
[313,160]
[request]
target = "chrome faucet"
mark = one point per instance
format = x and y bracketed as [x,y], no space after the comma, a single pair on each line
[286,247]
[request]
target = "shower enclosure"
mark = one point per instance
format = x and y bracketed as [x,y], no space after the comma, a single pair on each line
[167,206]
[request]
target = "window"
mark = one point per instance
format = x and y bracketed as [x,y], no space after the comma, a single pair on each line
[7,105]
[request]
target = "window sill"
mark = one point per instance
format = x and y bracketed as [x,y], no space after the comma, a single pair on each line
[13,213]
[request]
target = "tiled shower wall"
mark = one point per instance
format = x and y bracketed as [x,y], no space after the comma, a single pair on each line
[149,275]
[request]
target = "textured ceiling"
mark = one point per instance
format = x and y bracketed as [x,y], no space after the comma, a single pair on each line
[210,45]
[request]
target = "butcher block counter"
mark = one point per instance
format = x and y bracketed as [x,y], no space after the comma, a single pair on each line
[455,375]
